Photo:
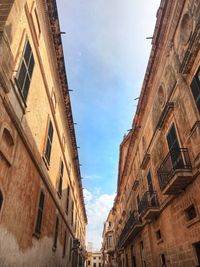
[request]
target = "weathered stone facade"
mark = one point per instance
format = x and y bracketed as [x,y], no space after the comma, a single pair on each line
[157,208]
[108,244]
[42,211]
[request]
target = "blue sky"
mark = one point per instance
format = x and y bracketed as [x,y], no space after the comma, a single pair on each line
[106,55]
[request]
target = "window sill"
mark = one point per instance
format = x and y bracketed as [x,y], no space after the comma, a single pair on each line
[160,241]
[193,221]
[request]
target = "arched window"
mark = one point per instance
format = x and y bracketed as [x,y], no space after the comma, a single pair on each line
[1,199]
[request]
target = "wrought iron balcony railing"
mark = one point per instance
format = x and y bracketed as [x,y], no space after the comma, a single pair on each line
[149,205]
[177,160]
[132,226]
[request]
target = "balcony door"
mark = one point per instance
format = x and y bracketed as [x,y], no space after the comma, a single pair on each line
[174,148]
[151,197]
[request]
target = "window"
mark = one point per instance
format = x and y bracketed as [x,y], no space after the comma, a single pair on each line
[158,235]
[64,246]
[94,258]
[49,142]
[1,200]
[61,178]
[25,71]
[149,182]
[162,259]
[94,264]
[174,148]
[109,241]
[197,250]
[191,212]
[40,213]
[195,86]
[67,205]
[99,264]
[56,233]
[88,262]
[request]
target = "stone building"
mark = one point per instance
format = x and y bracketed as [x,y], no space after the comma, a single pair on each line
[157,208]
[93,259]
[42,211]
[108,244]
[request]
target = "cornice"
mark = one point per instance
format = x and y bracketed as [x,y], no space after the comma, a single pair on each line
[58,48]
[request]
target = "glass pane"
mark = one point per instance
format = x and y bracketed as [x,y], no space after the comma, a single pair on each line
[21,76]
[27,53]
[26,87]
[41,204]
[31,66]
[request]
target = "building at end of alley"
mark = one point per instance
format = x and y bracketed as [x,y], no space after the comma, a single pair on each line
[155,219]
[42,212]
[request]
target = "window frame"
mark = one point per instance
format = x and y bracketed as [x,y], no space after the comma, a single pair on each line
[189,219]
[40,212]
[196,81]
[67,200]
[2,201]
[28,74]
[60,181]
[56,234]
[48,140]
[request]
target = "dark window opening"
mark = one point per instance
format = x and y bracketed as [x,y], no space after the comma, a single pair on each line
[150,183]
[1,200]
[195,86]
[197,250]
[191,212]
[25,71]
[158,235]
[61,178]
[49,142]
[174,148]
[56,233]
[162,259]
[40,214]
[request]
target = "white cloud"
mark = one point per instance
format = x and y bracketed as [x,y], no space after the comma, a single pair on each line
[97,207]
[87,196]
[92,177]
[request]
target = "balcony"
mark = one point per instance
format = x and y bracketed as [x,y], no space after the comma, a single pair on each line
[131,229]
[175,172]
[149,206]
